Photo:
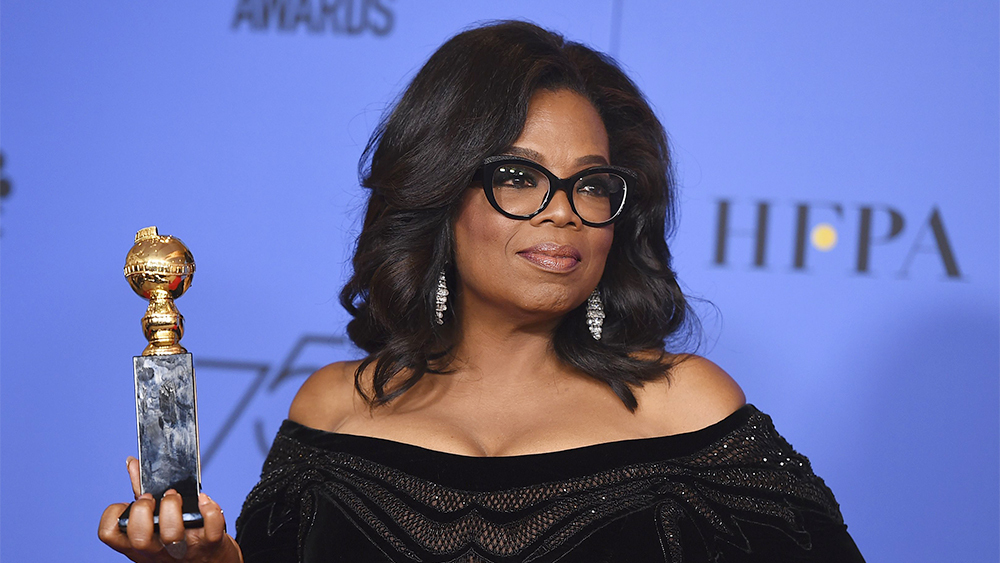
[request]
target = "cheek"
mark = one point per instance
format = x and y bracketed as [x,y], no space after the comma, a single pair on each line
[601,245]
[481,236]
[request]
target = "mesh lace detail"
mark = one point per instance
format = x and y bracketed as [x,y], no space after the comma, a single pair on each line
[749,474]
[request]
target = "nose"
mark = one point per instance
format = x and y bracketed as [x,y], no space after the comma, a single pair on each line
[559,212]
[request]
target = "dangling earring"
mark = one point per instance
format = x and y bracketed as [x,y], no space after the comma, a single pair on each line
[595,314]
[441,298]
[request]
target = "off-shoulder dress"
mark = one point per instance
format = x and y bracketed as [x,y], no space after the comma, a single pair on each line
[733,492]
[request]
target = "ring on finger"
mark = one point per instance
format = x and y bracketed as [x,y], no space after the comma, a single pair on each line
[177,549]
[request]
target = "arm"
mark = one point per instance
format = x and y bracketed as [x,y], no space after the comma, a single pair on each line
[268,528]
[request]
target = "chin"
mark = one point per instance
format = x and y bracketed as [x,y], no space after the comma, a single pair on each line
[556,301]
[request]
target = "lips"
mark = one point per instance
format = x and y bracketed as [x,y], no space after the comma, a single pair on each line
[551,256]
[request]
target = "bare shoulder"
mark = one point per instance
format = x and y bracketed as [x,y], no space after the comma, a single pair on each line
[326,398]
[696,394]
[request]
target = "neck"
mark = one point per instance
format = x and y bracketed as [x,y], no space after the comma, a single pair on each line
[497,348]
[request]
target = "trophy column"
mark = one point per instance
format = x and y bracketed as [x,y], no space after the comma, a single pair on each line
[160,268]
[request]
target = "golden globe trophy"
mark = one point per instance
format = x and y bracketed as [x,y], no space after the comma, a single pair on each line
[160,268]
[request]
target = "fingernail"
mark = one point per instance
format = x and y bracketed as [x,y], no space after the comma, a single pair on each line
[128,462]
[203,499]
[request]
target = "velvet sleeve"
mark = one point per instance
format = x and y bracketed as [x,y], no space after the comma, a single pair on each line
[263,539]
[269,528]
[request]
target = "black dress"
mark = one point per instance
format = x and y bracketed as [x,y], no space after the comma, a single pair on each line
[735,491]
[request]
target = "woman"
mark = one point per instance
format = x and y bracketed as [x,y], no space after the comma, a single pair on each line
[513,291]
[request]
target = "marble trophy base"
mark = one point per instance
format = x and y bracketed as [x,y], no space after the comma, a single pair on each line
[167,421]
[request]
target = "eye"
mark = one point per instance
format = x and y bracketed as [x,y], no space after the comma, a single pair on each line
[599,185]
[512,176]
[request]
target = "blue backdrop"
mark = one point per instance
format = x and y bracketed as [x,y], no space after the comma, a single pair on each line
[839,168]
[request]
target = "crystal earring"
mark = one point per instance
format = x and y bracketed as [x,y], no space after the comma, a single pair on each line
[441,298]
[595,314]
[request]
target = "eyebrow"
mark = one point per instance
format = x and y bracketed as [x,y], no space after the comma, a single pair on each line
[590,159]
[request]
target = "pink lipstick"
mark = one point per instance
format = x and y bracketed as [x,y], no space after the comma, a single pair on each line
[551,256]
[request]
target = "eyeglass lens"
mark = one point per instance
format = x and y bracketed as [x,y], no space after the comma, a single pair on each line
[520,189]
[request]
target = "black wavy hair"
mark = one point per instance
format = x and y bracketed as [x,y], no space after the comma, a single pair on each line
[469,102]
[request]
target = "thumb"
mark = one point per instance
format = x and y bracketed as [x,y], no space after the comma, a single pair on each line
[132,465]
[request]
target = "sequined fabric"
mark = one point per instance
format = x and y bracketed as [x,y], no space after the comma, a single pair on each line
[736,491]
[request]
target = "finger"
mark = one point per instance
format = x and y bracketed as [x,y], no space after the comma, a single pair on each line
[132,465]
[171,521]
[108,530]
[140,525]
[177,549]
[214,520]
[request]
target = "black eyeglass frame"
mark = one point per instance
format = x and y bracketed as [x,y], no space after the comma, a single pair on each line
[491,164]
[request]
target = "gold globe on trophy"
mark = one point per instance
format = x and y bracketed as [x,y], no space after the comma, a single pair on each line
[160,268]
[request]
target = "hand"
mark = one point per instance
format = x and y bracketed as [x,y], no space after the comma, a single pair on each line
[208,544]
